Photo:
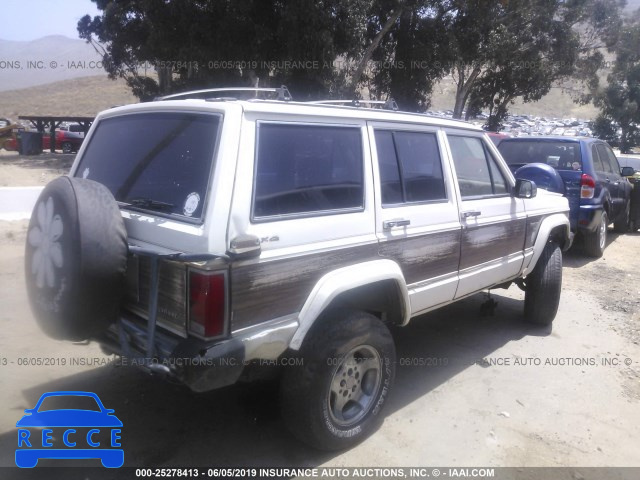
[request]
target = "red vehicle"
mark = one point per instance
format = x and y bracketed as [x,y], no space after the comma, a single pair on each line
[68,142]
[497,137]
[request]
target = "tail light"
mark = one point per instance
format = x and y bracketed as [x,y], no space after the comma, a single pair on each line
[207,303]
[587,186]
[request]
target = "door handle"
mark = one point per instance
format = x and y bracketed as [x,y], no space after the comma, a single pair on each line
[471,213]
[389,224]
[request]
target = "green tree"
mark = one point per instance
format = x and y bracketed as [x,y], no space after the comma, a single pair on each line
[507,49]
[530,55]
[495,50]
[606,130]
[619,101]
[411,57]
[208,43]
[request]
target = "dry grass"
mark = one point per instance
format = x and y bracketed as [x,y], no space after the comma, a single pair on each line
[84,96]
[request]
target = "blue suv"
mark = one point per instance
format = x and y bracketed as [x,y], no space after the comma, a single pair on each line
[586,171]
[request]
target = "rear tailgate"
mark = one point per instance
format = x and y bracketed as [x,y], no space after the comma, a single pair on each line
[571,181]
[563,155]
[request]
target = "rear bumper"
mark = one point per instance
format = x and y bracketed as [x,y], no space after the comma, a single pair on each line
[589,217]
[200,365]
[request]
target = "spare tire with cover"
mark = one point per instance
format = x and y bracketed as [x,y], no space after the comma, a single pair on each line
[544,176]
[75,258]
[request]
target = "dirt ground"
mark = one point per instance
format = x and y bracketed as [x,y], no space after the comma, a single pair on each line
[29,171]
[471,390]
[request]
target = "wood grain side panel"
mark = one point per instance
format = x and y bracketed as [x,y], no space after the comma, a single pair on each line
[424,256]
[272,289]
[489,242]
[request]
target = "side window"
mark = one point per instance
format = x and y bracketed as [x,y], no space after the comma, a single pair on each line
[303,169]
[478,174]
[391,184]
[597,161]
[604,157]
[613,160]
[499,182]
[410,167]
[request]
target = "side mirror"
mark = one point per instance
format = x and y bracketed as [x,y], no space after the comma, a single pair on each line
[627,171]
[245,246]
[525,188]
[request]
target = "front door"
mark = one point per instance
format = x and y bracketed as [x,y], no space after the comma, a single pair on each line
[493,221]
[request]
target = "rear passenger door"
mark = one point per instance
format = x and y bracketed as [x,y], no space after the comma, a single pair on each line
[304,190]
[417,221]
[493,221]
[611,179]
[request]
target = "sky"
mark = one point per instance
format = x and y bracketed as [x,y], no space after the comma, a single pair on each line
[24,20]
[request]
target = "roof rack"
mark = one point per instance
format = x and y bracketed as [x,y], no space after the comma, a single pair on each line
[389,104]
[282,92]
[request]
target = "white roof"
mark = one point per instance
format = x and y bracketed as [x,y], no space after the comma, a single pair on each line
[289,108]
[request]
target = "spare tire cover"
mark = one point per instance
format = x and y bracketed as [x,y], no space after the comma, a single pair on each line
[75,258]
[544,176]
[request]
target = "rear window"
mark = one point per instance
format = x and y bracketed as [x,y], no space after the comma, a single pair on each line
[159,162]
[559,155]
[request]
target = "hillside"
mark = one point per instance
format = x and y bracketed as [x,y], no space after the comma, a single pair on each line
[46,60]
[89,95]
[81,96]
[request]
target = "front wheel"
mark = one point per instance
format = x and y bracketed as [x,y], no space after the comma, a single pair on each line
[595,242]
[543,286]
[67,147]
[335,399]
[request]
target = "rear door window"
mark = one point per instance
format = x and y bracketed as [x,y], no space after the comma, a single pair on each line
[598,166]
[307,170]
[613,160]
[606,160]
[410,167]
[158,161]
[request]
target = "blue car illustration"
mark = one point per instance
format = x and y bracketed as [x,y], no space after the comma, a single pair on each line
[79,426]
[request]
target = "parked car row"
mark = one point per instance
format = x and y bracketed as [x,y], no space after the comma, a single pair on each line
[516,125]
[587,172]
[67,141]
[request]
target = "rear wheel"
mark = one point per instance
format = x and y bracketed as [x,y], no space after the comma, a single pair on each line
[595,242]
[543,286]
[67,147]
[335,399]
